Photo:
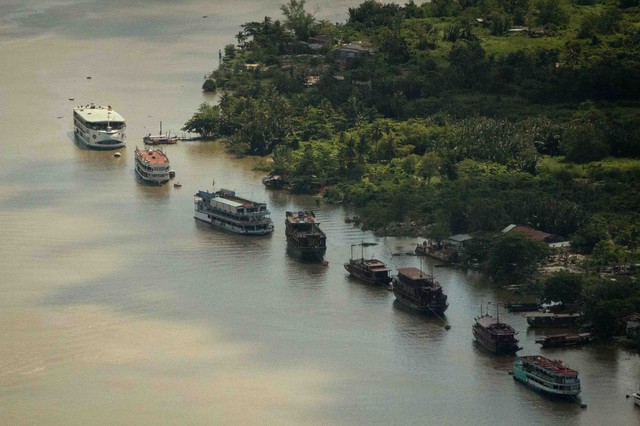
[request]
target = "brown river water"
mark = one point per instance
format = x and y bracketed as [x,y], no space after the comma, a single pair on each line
[116,307]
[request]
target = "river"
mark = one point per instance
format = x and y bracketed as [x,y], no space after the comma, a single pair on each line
[118,308]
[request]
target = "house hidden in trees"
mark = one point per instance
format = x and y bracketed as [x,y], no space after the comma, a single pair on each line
[532,234]
[349,52]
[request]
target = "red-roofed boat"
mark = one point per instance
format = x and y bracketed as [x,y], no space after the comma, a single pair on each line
[551,377]
[152,165]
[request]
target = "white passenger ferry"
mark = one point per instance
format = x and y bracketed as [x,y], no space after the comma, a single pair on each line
[223,209]
[152,165]
[99,127]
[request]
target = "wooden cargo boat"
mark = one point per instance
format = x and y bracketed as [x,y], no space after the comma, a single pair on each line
[497,337]
[160,138]
[551,377]
[561,340]
[550,319]
[419,290]
[305,239]
[373,271]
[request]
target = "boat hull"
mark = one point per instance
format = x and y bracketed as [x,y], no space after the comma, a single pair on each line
[307,254]
[531,382]
[217,223]
[498,348]
[100,140]
[154,180]
[361,275]
[431,308]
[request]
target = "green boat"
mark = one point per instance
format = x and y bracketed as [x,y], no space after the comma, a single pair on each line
[551,377]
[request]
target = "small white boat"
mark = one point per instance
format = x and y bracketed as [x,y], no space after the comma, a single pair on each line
[636,398]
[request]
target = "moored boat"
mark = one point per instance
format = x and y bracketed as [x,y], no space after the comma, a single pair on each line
[99,127]
[275,182]
[224,210]
[636,398]
[152,165]
[419,290]
[551,377]
[305,239]
[160,138]
[373,271]
[495,336]
[550,319]
[522,306]
[564,339]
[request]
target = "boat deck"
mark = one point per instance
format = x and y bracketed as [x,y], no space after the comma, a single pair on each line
[553,367]
[489,322]
[153,157]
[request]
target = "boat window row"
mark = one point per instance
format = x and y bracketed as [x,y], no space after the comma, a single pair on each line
[100,125]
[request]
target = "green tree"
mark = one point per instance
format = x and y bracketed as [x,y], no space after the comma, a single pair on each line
[429,165]
[298,19]
[205,122]
[514,258]
[564,287]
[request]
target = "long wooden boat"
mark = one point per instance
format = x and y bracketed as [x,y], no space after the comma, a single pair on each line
[373,271]
[550,319]
[495,336]
[551,377]
[564,339]
[305,239]
[419,290]
[160,138]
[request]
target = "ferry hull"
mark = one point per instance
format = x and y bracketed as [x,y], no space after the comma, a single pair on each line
[154,180]
[103,142]
[216,223]
[522,376]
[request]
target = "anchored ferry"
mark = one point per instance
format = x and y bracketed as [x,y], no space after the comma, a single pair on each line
[99,127]
[223,209]
[551,377]
[152,165]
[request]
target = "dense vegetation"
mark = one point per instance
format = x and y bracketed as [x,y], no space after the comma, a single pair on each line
[460,115]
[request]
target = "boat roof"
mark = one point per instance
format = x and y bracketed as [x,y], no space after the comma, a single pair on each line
[97,113]
[555,367]
[414,273]
[487,321]
[302,217]
[152,156]
[228,197]
[376,265]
